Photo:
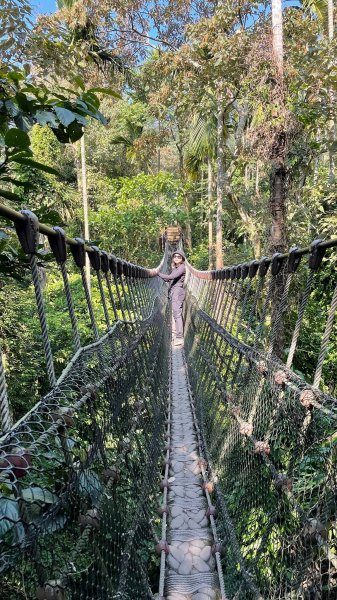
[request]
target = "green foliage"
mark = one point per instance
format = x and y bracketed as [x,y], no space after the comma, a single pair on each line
[22,105]
[139,209]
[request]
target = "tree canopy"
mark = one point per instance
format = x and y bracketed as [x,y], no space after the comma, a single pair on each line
[193,113]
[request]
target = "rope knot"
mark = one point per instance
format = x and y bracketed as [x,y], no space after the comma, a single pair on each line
[306,398]
[246,428]
[261,447]
[280,377]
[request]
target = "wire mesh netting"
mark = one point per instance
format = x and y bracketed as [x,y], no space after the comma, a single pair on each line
[79,471]
[268,429]
[79,474]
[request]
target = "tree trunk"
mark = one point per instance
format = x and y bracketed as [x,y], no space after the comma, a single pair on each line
[158,149]
[220,182]
[188,236]
[85,206]
[332,126]
[257,179]
[210,207]
[330,20]
[277,203]
[277,25]
[277,242]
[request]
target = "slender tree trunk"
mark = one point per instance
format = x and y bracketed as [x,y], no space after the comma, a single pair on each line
[220,182]
[278,206]
[210,211]
[85,205]
[332,126]
[278,176]
[278,172]
[257,179]
[188,237]
[277,25]
[246,177]
[158,149]
[330,19]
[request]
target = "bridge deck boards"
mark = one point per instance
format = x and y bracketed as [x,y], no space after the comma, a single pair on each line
[191,573]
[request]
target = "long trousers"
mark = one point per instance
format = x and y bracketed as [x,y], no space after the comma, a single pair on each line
[178,297]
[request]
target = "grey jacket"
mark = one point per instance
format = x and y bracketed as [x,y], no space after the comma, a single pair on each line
[176,278]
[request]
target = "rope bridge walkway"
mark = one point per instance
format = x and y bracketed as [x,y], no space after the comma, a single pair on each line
[191,549]
[221,455]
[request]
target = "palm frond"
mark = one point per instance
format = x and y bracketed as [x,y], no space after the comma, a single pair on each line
[202,138]
[65,3]
[121,139]
[192,164]
[135,130]
[317,7]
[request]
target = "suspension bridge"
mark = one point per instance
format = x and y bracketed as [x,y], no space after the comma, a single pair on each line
[149,471]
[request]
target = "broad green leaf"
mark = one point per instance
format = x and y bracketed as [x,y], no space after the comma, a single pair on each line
[22,160]
[38,494]
[64,115]
[60,97]
[16,138]
[18,182]
[11,108]
[24,122]
[91,485]
[10,196]
[79,82]
[91,100]
[72,133]
[81,119]
[24,103]
[44,117]
[9,514]
[53,523]
[101,118]
[18,153]
[16,76]
[75,131]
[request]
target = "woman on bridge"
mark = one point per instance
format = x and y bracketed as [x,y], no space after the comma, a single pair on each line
[177,293]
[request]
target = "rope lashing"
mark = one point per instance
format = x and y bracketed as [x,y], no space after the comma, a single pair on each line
[96,264]
[5,413]
[113,268]
[28,234]
[79,256]
[59,248]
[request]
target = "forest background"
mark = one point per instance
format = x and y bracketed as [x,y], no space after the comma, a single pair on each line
[219,116]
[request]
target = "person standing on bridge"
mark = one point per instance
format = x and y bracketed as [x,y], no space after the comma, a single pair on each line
[177,292]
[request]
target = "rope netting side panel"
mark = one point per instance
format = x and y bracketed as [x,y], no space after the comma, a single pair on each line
[79,472]
[269,429]
[80,493]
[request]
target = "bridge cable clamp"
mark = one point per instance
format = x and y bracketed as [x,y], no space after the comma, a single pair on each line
[58,245]
[95,258]
[264,266]
[316,254]
[276,263]
[294,260]
[78,252]
[28,232]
